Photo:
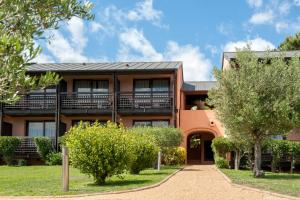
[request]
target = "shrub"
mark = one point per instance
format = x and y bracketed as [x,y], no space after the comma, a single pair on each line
[100,150]
[22,162]
[221,146]
[222,163]
[165,137]
[145,152]
[44,146]
[54,158]
[8,146]
[174,156]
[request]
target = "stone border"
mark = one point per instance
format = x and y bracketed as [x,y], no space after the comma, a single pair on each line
[99,193]
[254,189]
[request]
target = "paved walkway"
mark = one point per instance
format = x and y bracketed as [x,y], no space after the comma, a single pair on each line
[192,183]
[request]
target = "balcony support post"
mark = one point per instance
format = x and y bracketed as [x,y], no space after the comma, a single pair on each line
[174,101]
[57,116]
[1,118]
[115,94]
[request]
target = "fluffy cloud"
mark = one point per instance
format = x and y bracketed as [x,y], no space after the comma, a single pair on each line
[43,58]
[261,18]
[257,44]
[95,27]
[77,31]
[144,11]
[134,46]
[255,3]
[280,26]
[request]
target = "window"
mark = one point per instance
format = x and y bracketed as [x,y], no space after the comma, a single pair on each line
[154,85]
[76,122]
[91,86]
[152,123]
[41,128]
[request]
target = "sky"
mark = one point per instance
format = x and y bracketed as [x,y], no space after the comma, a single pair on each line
[196,32]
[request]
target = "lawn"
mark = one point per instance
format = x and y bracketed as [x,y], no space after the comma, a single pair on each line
[46,180]
[283,183]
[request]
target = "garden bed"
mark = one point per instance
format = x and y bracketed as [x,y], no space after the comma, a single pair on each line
[284,183]
[46,180]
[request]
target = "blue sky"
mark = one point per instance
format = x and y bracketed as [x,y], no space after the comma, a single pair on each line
[193,31]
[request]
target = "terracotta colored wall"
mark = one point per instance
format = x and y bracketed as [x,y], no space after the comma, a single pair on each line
[179,102]
[226,63]
[294,135]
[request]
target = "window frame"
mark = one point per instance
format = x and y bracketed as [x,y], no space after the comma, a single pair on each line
[41,121]
[91,83]
[151,120]
[151,84]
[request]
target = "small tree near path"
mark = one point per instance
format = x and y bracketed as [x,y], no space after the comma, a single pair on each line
[258,98]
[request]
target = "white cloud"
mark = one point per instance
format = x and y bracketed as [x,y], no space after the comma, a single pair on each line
[261,18]
[63,51]
[225,28]
[77,31]
[43,58]
[95,27]
[134,40]
[284,8]
[280,26]
[144,11]
[297,2]
[134,46]
[257,44]
[213,49]
[255,3]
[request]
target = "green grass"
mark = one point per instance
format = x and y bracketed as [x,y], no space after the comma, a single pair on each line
[46,180]
[283,183]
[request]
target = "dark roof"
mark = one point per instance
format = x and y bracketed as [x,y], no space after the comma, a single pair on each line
[261,54]
[198,85]
[110,67]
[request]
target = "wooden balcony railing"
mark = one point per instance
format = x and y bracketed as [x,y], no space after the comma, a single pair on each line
[145,101]
[86,101]
[36,101]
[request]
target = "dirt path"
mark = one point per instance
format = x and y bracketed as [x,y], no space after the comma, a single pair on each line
[192,183]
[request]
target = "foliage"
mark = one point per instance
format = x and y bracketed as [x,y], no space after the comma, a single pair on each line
[291,43]
[23,22]
[278,148]
[165,137]
[293,152]
[221,146]
[256,99]
[22,162]
[222,163]
[174,156]
[100,150]
[44,146]
[8,146]
[54,159]
[145,152]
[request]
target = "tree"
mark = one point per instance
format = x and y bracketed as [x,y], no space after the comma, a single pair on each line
[23,22]
[258,98]
[291,43]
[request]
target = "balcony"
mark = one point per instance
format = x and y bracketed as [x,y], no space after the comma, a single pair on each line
[86,103]
[145,103]
[37,103]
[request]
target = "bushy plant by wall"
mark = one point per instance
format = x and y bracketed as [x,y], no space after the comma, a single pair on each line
[8,146]
[221,146]
[145,152]
[174,156]
[293,153]
[54,158]
[100,150]
[44,146]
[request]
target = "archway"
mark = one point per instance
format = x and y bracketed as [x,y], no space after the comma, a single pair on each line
[198,146]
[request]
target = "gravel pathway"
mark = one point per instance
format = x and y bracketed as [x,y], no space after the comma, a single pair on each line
[195,182]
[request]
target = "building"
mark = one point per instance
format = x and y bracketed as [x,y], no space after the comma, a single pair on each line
[132,93]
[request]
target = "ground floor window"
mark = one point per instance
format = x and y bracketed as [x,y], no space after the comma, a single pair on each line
[41,128]
[152,123]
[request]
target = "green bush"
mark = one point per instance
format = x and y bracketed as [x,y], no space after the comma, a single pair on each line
[100,150]
[174,156]
[8,146]
[221,146]
[222,163]
[145,152]
[165,137]
[54,158]
[44,146]
[22,162]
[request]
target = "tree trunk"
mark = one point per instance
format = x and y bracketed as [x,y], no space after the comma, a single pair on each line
[292,165]
[237,159]
[257,172]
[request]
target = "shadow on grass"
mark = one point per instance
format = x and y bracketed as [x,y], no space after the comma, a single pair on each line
[191,170]
[283,176]
[154,173]
[120,183]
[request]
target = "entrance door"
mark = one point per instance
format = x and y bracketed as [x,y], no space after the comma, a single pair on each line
[194,149]
[208,153]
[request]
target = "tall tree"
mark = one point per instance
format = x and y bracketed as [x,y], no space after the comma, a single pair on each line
[291,43]
[257,98]
[22,23]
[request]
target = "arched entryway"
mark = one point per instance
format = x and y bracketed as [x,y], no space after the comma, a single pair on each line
[199,148]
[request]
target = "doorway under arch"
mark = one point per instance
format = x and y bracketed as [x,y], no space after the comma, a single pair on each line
[199,148]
